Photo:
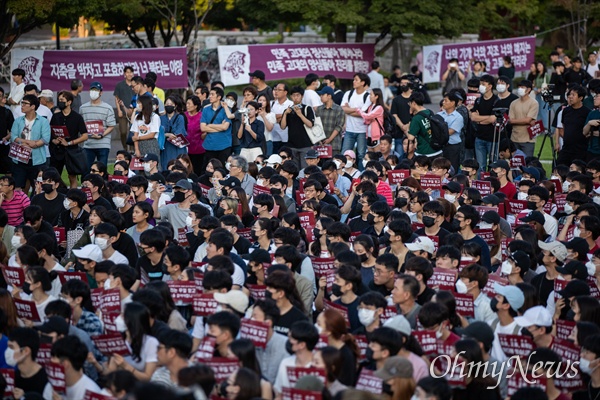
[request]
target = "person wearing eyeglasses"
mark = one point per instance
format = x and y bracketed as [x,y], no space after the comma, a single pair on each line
[31,133]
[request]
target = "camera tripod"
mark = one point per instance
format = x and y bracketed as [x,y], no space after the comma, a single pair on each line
[548,134]
[499,126]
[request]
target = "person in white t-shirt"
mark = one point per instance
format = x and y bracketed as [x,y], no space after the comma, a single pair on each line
[106,235]
[278,106]
[311,98]
[506,304]
[17,91]
[592,67]
[356,130]
[71,353]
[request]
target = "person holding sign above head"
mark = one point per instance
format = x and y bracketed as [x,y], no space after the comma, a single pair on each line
[100,120]
[64,147]
[29,136]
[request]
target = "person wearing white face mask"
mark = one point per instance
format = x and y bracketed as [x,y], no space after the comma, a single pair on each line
[523,113]
[589,229]
[483,116]
[150,161]
[121,196]
[506,304]
[435,317]
[106,235]
[471,280]
[370,308]
[516,266]
[589,362]
[22,350]
[100,119]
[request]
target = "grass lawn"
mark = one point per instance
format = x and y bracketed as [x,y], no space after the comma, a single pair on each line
[65,176]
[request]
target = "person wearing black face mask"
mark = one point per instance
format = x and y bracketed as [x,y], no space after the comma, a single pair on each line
[263,205]
[537,323]
[76,133]
[433,217]
[376,219]
[400,110]
[50,200]
[174,124]
[177,212]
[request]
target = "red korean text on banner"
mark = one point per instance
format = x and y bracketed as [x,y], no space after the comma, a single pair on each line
[19,153]
[111,343]
[339,308]
[14,276]
[182,237]
[288,393]
[564,328]
[222,367]
[246,233]
[559,284]
[516,345]
[179,141]
[89,395]
[493,279]
[95,127]
[206,349]
[566,349]
[594,290]
[27,309]
[9,377]
[88,195]
[204,189]
[198,280]
[204,304]
[295,373]
[515,206]
[56,377]
[368,382]
[516,381]
[484,187]
[322,265]
[260,189]
[560,200]
[136,164]
[396,176]
[118,178]
[517,162]
[110,301]
[59,131]
[536,129]
[60,234]
[324,151]
[353,236]
[388,312]
[43,356]
[182,292]
[427,340]
[487,235]
[256,331]
[257,292]
[464,305]
[66,276]
[431,181]
[442,278]
[108,319]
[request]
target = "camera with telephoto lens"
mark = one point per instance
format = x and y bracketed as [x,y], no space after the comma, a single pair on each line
[244,113]
[548,94]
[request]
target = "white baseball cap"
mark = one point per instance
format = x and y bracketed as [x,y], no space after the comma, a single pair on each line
[422,243]
[537,316]
[235,299]
[89,252]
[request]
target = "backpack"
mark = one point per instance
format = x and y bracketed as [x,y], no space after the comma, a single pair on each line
[469,130]
[439,131]
[365,96]
[389,123]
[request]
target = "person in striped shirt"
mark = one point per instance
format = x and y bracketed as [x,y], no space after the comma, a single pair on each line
[12,201]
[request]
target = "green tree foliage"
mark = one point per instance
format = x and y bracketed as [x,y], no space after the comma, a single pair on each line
[18,17]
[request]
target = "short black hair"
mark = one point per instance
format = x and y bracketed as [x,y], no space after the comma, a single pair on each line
[417,98]
[339,229]
[72,349]
[105,228]
[180,341]
[439,388]
[222,239]
[226,321]
[125,273]
[432,314]
[154,238]
[389,261]
[374,299]
[26,337]
[388,338]
[305,332]
[420,266]
[217,279]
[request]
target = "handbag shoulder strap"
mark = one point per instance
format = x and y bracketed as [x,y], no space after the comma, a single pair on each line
[215,115]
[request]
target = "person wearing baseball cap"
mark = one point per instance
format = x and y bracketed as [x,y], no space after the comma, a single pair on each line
[176,213]
[501,168]
[235,301]
[554,255]
[88,256]
[537,323]
[395,367]
[422,246]
[258,80]
[350,167]
[506,304]
[516,266]
[98,144]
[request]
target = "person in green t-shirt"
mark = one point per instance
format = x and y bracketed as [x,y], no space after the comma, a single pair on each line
[420,127]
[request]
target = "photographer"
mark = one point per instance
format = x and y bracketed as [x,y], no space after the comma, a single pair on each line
[453,77]
[591,130]
[251,133]
[558,80]
[522,114]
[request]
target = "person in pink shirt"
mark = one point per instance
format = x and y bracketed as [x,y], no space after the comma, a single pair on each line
[12,201]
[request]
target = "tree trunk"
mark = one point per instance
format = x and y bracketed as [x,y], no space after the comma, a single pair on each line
[341,32]
[394,53]
[140,43]
[150,29]
[280,27]
[360,34]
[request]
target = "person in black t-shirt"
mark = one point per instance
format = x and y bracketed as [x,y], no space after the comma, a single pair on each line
[30,377]
[573,120]
[483,116]
[281,287]
[50,200]
[421,269]
[400,110]
[232,224]
[152,244]
[295,118]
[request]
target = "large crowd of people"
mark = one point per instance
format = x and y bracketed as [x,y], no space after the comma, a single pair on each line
[303,242]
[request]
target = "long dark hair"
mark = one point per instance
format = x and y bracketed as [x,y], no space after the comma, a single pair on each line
[146,113]
[249,383]
[162,288]
[137,320]
[245,352]
[377,92]
[267,105]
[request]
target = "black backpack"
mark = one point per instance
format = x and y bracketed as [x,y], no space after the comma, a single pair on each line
[439,132]
[389,123]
